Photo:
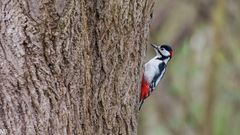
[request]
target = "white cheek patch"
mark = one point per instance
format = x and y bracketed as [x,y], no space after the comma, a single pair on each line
[165,53]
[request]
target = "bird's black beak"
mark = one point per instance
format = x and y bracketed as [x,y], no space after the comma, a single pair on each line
[154,46]
[156,49]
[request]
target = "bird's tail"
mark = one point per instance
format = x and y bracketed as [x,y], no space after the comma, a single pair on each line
[140,104]
[144,92]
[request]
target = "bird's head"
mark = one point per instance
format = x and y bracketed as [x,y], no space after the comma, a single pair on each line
[163,50]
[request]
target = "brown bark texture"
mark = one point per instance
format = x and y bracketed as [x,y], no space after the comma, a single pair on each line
[71,67]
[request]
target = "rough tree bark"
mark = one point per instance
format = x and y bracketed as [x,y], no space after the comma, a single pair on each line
[71,67]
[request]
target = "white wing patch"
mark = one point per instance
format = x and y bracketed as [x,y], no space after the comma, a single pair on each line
[161,76]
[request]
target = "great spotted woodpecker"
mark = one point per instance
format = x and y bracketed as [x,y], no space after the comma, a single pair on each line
[154,70]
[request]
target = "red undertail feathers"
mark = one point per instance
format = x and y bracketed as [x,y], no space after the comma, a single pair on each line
[144,89]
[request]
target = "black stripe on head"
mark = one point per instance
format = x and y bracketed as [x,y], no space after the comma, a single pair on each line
[167,47]
[162,58]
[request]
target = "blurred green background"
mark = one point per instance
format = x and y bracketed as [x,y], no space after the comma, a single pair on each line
[200,92]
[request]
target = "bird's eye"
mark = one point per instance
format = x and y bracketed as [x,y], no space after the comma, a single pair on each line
[162,49]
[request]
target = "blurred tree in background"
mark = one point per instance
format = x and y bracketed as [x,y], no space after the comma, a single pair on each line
[200,93]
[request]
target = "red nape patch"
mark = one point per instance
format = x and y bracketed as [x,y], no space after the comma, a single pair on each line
[171,53]
[144,89]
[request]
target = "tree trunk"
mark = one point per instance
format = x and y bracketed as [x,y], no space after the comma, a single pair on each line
[71,67]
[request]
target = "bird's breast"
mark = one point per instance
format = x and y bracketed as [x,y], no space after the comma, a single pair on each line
[151,69]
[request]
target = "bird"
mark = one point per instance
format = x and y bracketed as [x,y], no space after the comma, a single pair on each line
[154,70]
